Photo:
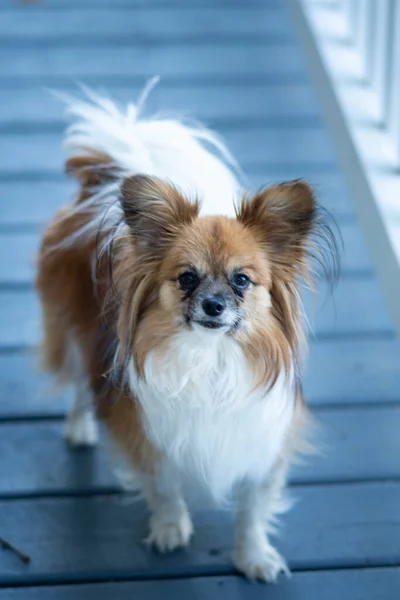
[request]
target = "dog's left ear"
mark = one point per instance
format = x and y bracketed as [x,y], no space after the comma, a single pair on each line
[155,211]
[281,217]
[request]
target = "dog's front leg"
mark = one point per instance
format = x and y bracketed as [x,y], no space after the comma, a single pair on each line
[258,505]
[170,523]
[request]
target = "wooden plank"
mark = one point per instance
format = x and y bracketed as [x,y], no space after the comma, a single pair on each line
[357,307]
[32,105]
[355,254]
[345,437]
[272,145]
[20,324]
[349,310]
[353,371]
[25,391]
[45,464]
[134,24]
[22,248]
[34,202]
[35,459]
[327,182]
[352,584]
[101,537]
[146,61]
[338,372]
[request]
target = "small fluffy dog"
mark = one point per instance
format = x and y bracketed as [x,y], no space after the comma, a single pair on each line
[181,328]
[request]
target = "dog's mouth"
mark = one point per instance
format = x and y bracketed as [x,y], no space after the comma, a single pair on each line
[215,324]
[208,324]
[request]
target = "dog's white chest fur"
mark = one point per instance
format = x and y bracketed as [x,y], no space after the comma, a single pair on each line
[201,410]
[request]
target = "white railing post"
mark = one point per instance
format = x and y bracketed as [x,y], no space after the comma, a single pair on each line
[365,32]
[380,56]
[373,28]
[351,10]
[394,83]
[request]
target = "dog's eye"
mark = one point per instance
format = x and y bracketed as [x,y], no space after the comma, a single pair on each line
[240,281]
[188,280]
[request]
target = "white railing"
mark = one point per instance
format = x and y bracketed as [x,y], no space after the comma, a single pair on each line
[373,28]
[352,49]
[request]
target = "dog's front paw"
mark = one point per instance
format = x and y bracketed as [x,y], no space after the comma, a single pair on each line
[262,563]
[168,535]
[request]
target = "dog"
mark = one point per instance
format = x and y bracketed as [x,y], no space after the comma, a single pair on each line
[171,301]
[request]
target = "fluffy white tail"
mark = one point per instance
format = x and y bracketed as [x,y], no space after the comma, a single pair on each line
[191,157]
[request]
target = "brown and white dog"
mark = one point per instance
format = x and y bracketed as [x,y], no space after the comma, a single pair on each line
[182,329]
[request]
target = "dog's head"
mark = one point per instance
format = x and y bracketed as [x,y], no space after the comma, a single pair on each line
[227,277]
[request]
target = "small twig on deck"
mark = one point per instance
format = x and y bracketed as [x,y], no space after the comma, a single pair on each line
[7,546]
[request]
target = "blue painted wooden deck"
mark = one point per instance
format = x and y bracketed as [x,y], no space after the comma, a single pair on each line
[237,66]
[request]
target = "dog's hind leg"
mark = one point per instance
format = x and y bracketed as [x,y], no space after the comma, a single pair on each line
[81,426]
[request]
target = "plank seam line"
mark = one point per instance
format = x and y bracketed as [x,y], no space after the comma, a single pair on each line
[365,336]
[107,491]
[249,6]
[126,82]
[290,121]
[137,41]
[250,169]
[317,409]
[171,81]
[24,285]
[217,572]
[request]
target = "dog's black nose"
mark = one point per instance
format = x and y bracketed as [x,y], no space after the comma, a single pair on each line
[214,306]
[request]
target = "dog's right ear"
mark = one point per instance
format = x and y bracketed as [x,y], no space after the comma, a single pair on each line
[155,211]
